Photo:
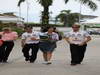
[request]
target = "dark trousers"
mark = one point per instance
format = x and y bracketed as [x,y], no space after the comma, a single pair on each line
[34,49]
[77,53]
[5,50]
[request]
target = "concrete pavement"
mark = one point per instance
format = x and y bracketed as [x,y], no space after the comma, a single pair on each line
[60,62]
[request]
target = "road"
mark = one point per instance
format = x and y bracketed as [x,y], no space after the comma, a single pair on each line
[60,62]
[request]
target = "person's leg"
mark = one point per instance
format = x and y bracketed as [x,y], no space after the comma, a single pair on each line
[49,56]
[25,51]
[2,51]
[81,53]
[74,53]
[9,47]
[45,56]
[35,48]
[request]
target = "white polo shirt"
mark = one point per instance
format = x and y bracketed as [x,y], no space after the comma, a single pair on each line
[28,36]
[77,37]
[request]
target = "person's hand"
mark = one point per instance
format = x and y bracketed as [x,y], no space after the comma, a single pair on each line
[33,38]
[69,42]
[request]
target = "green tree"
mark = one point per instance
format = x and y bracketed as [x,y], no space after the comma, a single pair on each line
[45,12]
[47,3]
[68,18]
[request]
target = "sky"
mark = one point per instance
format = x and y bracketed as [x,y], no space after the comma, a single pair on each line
[35,8]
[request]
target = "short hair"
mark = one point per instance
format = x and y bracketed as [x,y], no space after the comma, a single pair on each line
[78,25]
[28,27]
[6,28]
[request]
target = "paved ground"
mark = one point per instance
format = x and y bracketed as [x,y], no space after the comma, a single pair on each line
[60,65]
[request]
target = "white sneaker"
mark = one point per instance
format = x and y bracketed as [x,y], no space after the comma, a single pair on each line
[49,62]
[45,62]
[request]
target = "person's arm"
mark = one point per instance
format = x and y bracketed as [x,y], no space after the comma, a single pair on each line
[22,42]
[88,38]
[67,39]
[15,34]
[35,37]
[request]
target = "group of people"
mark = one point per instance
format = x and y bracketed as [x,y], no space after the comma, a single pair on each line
[46,42]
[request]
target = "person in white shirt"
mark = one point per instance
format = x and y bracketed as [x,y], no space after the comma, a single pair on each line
[30,40]
[78,42]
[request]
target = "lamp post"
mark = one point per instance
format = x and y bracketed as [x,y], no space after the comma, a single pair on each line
[27,10]
[80,11]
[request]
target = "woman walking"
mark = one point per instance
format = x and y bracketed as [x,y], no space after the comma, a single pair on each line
[8,37]
[48,44]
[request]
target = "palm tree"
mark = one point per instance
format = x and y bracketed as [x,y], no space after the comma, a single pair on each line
[67,18]
[45,13]
[89,3]
[47,3]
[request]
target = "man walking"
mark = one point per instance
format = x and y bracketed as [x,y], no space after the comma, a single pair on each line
[30,40]
[78,43]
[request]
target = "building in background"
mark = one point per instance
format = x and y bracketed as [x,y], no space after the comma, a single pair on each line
[11,18]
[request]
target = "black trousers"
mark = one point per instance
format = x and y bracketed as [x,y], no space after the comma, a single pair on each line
[77,53]
[34,50]
[5,50]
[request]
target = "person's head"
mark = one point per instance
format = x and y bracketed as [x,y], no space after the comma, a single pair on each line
[7,29]
[50,29]
[28,29]
[44,29]
[76,27]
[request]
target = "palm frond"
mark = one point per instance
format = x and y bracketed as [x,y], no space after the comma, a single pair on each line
[20,1]
[66,1]
[89,3]
[45,2]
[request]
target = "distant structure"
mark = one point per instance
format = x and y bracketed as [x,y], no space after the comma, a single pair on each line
[83,18]
[11,18]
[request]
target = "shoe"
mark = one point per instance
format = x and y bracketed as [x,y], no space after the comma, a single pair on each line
[78,63]
[31,61]
[73,64]
[0,61]
[4,61]
[49,62]
[45,62]
[26,59]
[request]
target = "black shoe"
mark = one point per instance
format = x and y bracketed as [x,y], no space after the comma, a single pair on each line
[73,64]
[78,63]
[31,61]
[27,59]
[0,61]
[4,61]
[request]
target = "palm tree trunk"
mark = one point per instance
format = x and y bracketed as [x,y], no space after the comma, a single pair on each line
[45,16]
